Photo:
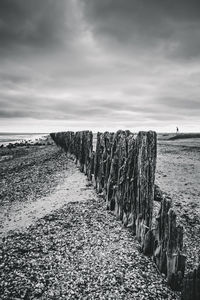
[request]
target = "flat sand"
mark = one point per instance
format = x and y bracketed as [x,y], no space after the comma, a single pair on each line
[178,174]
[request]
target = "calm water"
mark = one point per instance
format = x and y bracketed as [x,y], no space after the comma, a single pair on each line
[6,138]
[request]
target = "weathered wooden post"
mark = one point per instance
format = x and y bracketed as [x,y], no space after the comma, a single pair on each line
[121,172]
[127,181]
[191,285]
[168,243]
[97,161]
[117,158]
[124,169]
[144,176]
[88,154]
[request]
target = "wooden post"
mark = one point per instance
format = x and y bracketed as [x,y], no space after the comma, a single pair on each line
[191,285]
[144,176]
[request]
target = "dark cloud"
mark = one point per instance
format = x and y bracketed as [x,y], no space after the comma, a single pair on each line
[35,23]
[158,25]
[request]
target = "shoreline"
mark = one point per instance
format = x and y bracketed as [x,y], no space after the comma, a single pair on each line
[20,139]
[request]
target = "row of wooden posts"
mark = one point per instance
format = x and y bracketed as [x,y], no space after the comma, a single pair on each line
[123,168]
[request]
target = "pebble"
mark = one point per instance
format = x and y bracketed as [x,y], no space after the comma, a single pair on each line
[69,262]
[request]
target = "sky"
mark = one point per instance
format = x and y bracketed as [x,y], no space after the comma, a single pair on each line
[99,65]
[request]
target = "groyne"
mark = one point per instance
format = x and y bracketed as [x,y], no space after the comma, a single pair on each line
[122,168]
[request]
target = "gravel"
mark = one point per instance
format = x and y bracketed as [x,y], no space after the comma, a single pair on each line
[78,252]
[32,173]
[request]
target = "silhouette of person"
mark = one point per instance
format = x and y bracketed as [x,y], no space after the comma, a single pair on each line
[177,131]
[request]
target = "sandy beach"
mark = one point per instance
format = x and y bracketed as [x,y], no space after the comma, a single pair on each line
[57,239]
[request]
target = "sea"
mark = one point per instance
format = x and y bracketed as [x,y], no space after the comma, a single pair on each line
[7,138]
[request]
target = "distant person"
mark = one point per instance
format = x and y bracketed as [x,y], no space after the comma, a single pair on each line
[177,130]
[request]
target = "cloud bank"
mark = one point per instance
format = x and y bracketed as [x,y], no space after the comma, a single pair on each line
[109,64]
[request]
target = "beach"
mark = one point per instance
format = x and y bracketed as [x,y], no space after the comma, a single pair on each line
[58,241]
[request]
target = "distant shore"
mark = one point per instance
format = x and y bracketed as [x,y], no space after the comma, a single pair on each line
[7,138]
[175,136]
[185,136]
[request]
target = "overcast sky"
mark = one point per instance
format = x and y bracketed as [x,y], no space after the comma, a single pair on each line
[99,64]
